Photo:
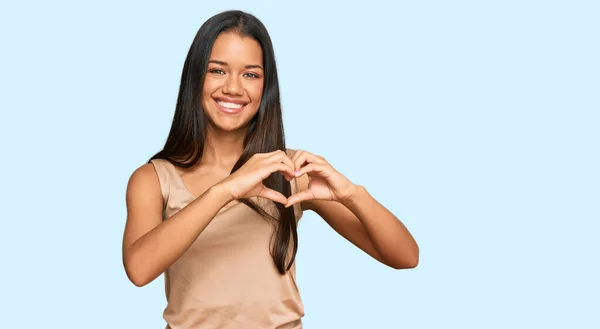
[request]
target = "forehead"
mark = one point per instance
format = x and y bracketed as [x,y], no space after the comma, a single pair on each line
[234,48]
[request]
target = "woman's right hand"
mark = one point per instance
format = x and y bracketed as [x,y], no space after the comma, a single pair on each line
[247,181]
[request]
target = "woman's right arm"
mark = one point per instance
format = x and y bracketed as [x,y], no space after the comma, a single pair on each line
[151,245]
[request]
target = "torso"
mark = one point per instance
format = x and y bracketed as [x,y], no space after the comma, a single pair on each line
[227,278]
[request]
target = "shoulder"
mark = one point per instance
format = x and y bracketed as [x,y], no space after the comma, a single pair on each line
[145,172]
[144,181]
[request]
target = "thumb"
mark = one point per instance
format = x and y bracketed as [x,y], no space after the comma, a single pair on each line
[272,195]
[299,197]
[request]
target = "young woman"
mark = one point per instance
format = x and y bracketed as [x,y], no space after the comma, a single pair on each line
[216,209]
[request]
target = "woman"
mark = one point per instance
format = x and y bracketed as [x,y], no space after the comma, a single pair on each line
[216,210]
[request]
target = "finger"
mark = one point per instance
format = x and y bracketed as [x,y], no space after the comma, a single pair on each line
[299,161]
[273,153]
[282,168]
[316,158]
[296,155]
[261,155]
[288,177]
[306,158]
[281,156]
[299,197]
[273,195]
[311,168]
[276,154]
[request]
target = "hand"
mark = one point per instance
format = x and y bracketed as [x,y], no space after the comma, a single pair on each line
[324,182]
[247,181]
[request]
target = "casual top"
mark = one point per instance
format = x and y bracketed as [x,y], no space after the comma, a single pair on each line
[227,278]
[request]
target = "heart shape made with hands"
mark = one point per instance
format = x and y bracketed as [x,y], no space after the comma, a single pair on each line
[324,182]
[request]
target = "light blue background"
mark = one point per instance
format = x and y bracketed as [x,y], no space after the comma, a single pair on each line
[475,122]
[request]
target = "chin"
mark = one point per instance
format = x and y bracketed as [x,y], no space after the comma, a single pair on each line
[230,122]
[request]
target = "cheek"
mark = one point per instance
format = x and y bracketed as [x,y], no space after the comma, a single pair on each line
[256,92]
[208,87]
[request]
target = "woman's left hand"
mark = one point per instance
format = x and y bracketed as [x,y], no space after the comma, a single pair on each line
[324,182]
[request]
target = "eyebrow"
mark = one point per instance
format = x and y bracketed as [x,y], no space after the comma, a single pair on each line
[225,64]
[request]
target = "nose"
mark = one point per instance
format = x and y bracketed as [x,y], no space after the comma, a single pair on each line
[233,86]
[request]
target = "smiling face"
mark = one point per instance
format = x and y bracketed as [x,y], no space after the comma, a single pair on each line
[234,81]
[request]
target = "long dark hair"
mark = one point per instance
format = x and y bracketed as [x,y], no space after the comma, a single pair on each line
[185,143]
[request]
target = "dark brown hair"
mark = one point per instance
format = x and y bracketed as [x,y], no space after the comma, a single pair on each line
[185,143]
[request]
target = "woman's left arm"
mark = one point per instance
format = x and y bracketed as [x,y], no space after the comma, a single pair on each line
[352,212]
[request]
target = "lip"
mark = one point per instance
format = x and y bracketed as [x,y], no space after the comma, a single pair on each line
[230,100]
[228,110]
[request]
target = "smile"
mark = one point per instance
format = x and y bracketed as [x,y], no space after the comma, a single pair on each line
[229,107]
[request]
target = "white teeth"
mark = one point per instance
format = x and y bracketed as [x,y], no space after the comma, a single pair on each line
[229,105]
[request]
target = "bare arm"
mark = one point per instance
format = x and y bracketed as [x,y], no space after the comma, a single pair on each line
[151,245]
[352,212]
[371,227]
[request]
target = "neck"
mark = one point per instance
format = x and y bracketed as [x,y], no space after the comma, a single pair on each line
[222,148]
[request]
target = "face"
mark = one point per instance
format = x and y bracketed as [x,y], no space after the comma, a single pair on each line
[234,82]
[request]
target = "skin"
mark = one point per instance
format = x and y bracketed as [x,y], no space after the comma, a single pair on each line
[352,212]
[151,245]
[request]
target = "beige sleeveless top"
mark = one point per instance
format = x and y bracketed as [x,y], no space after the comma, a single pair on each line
[227,278]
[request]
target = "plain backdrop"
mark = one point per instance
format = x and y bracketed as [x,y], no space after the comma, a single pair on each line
[475,122]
